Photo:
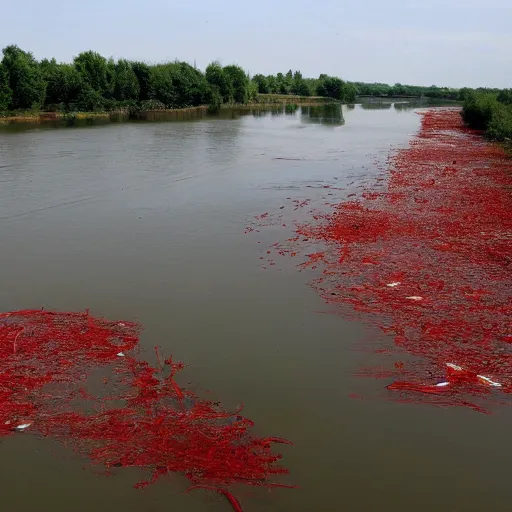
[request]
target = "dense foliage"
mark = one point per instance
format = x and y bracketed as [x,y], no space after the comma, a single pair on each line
[489,110]
[399,90]
[21,79]
[94,83]
[295,83]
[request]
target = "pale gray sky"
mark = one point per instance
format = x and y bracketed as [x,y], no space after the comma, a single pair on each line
[420,42]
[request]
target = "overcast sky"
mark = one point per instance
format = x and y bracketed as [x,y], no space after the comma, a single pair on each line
[420,42]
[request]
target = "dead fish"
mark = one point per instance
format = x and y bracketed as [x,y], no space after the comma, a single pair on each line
[22,427]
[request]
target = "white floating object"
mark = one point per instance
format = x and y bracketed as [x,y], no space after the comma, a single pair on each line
[454,366]
[23,426]
[392,285]
[121,324]
[120,354]
[489,381]
[7,422]
[442,384]
[414,297]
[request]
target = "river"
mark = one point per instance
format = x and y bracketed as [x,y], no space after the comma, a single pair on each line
[147,222]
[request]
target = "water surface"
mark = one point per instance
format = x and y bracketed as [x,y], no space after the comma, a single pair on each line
[146,221]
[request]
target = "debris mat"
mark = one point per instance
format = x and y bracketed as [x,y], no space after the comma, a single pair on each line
[137,417]
[427,258]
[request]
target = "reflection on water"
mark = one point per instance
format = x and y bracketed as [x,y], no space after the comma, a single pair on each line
[331,113]
[376,105]
[423,103]
[403,104]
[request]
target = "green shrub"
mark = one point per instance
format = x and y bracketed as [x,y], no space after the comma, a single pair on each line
[500,126]
[489,111]
[479,109]
[215,100]
[505,96]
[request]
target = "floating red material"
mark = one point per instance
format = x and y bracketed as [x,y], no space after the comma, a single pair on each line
[429,258]
[138,416]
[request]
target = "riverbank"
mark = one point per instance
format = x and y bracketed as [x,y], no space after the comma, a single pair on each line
[179,114]
[66,118]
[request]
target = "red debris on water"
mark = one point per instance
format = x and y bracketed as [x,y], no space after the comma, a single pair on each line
[139,416]
[429,259]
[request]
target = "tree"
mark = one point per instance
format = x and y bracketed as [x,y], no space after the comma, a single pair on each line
[288,80]
[143,74]
[162,85]
[434,92]
[349,93]
[126,84]
[272,84]
[282,85]
[25,79]
[190,85]
[89,99]
[464,93]
[5,90]
[312,84]
[332,87]
[214,99]
[93,69]
[505,96]
[252,90]
[299,85]
[216,75]
[64,83]
[111,79]
[262,83]
[239,83]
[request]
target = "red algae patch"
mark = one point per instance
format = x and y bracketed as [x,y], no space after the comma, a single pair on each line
[137,417]
[428,258]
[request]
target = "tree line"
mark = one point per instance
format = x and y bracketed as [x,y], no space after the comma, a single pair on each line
[489,110]
[294,83]
[400,90]
[94,83]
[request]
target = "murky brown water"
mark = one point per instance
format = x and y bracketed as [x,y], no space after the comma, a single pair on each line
[146,221]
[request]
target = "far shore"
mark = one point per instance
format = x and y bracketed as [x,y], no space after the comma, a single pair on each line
[262,101]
